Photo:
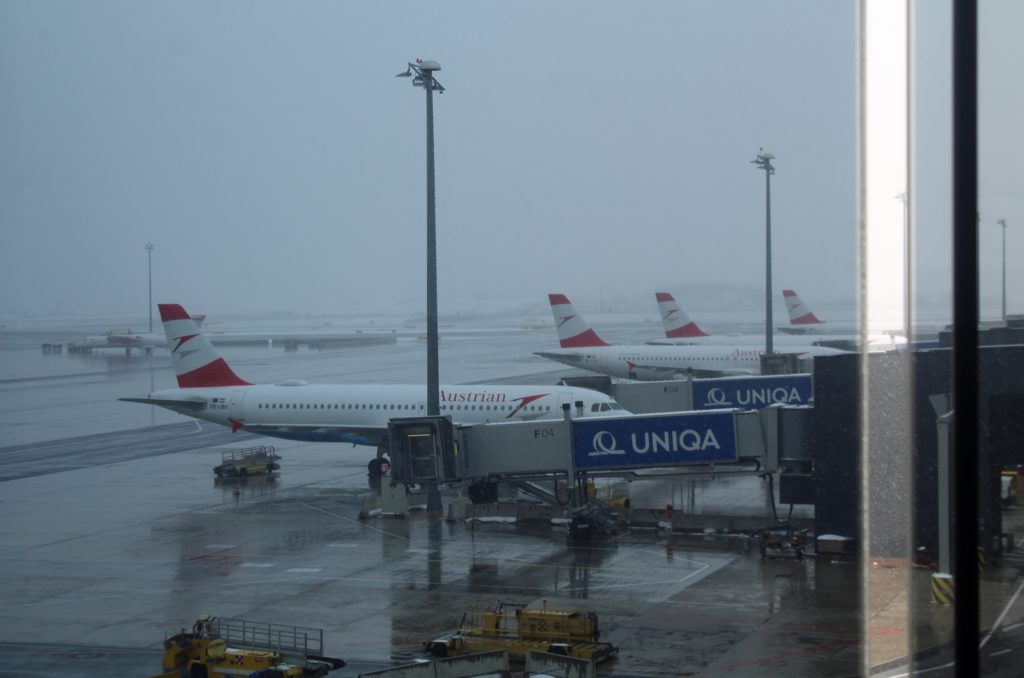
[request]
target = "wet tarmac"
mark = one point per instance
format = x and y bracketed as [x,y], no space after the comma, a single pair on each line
[119,553]
[114,534]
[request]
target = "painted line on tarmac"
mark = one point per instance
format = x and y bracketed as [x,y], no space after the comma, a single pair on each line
[995,627]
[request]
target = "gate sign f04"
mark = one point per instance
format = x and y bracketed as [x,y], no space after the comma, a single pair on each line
[669,440]
[752,393]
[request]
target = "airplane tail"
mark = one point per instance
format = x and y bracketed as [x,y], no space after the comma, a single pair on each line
[199,318]
[196,362]
[677,324]
[573,330]
[798,313]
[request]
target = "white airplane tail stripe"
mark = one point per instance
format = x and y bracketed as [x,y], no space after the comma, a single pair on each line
[674,319]
[573,330]
[196,361]
[798,313]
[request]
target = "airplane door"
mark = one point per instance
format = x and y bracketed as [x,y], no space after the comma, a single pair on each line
[236,410]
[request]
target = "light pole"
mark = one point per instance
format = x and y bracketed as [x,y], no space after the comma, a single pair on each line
[764,162]
[1002,222]
[424,77]
[149,255]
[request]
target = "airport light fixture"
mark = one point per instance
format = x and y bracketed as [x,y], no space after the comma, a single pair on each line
[149,255]
[763,161]
[422,74]
[1002,222]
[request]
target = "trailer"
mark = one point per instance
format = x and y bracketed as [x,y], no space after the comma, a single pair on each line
[247,461]
[518,629]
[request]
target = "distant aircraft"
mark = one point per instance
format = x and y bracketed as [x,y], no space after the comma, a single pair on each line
[799,314]
[803,321]
[340,413]
[127,340]
[582,347]
[679,329]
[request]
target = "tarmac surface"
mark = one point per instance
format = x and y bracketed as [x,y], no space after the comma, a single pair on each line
[113,534]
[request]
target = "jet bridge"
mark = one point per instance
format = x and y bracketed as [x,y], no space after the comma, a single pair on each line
[431,450]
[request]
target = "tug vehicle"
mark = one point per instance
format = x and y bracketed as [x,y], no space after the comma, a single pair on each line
[223,648]
[518,629]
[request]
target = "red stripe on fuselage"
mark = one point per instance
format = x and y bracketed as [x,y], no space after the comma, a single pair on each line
[583,340]
[687,330]
[216,373]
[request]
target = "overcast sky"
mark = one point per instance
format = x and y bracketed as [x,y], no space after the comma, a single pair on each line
[601,149]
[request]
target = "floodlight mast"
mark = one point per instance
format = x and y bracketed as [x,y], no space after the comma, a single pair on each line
[764,161]
[422,73]
[1002,222]
[149,256]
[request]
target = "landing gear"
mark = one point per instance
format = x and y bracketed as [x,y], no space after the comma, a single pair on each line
[381,465]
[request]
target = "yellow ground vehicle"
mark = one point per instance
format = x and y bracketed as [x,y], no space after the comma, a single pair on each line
[517,629]
[221,648]
[247,461]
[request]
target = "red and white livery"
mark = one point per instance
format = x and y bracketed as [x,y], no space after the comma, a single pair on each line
[674,319]
[799,314]
[582,347]
[209,389]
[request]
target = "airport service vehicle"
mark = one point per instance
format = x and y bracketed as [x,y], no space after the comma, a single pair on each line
[783,542]
[247,461]
[679,329]
[226,648]
[209,389]
[517,629]
[126,339]
[582,347]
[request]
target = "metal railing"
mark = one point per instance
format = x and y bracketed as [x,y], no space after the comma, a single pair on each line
[302,640]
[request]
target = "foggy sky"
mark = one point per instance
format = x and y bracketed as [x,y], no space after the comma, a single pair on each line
[600,149]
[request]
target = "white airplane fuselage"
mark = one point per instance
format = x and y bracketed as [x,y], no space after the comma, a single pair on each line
[360,413]
[787,343]
[651,362]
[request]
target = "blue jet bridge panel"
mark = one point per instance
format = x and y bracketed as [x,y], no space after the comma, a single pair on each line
[663,440]
[752,393]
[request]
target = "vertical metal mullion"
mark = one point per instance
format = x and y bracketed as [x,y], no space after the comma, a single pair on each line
[965,333]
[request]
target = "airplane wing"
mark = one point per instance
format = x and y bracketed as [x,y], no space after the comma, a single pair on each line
[673,372]
[184,406]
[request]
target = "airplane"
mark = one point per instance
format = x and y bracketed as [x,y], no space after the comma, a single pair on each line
[209,389]
[582,347]
[679,329]
[803,321]
[799,314]
[126,340]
